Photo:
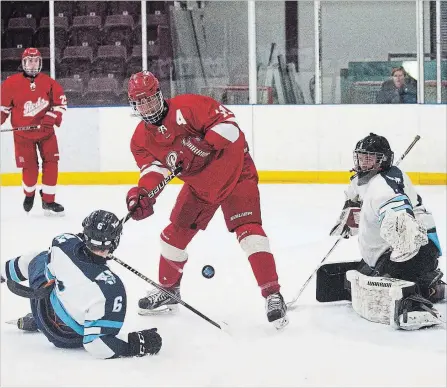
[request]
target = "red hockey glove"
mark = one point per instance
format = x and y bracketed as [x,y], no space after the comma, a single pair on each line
[48,122]
[195,155]
[139,204]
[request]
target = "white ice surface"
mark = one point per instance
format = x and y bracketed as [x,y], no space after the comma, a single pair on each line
[324,344]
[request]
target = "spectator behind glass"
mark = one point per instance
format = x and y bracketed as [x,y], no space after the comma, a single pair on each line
[400,89]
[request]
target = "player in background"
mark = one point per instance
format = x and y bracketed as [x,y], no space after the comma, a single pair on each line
[32,98]
[86,302]
[396,233]
[204,137]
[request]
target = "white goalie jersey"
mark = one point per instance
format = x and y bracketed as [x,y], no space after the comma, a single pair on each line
[392,217]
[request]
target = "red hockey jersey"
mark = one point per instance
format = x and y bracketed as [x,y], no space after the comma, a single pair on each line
[156,149]
[27,101]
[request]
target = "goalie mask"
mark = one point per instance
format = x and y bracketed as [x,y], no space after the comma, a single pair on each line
[145,97]
[31,61]
[372,155]
[102,231]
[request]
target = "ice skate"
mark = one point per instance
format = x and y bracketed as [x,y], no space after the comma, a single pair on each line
[276,310]
[28,203]
[158,302]
[51,209]
[26,323]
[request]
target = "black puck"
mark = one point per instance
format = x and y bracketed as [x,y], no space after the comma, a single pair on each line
[208,271]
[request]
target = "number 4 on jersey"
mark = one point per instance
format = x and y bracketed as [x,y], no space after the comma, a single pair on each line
[179,117]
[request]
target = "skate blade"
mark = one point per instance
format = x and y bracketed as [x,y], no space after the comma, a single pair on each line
[49,213]
[163,310]
[281,323]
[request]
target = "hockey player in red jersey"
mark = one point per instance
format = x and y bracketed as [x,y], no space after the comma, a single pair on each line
[34,99]
[203,137]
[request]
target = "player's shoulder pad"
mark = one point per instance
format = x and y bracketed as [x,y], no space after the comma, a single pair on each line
[190,101]
[106,278]
[12,78]
[394,178]
[65,238]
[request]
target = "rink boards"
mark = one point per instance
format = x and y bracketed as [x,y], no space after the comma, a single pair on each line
[289,144]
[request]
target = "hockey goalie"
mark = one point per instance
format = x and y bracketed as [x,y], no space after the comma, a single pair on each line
[398,279]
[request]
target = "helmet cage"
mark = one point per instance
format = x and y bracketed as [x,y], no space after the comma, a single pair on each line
[149,108]
[31,70]
[368,161]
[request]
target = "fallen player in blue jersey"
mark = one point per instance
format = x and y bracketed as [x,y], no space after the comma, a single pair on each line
[76,300]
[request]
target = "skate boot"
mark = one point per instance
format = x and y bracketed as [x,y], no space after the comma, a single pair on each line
[28,203]
[27,323]
[52,208]
[158,302]
[276,310]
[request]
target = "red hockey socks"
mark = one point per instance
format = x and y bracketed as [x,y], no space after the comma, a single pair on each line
[255,244]
[173,255]
[49,181]
[29,180]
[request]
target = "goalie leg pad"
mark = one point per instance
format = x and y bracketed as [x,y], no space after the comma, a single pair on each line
[331,281]
[390,301]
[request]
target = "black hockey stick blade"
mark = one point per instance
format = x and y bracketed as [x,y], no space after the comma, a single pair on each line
[331,281]
[27,292]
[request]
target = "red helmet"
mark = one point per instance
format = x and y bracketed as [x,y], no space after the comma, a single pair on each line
[145,96]
[31,61]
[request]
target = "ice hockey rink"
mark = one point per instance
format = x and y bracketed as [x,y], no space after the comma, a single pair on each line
[324,344]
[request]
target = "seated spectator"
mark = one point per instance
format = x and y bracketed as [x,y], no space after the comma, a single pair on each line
[400,89]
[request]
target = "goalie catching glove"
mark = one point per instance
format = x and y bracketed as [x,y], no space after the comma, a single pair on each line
[404,233]
[348,222]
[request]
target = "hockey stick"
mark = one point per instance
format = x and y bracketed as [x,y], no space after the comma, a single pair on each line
[29,128]
[28,292]
[175,297]
[157,189]
[295,299]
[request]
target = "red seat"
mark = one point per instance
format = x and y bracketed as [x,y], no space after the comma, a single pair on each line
[76,60]
[11,59]
[102,91]
[42,37]
[111,59]
[20,32]
[86,31]
[74,89]
[118,28]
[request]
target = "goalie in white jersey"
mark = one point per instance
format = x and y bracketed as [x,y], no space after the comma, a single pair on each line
[76,300]
[396,233]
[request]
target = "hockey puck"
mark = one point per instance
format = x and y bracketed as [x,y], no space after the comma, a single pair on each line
[208,271]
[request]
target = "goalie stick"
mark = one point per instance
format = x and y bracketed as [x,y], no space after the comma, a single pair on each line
[291,304]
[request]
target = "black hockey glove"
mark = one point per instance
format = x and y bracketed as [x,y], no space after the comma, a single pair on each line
[144,342]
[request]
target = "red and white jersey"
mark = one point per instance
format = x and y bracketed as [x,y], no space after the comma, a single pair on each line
[156,149]
[27,100]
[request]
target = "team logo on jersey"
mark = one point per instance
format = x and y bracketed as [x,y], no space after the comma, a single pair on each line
[107,276]
[30,109]
[32,86]
[171,160]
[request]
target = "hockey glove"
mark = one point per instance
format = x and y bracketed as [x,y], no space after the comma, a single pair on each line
[49,121]
[348,222]
[195,155]
[139,204]
[144,342]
